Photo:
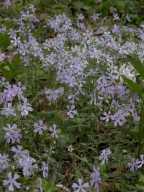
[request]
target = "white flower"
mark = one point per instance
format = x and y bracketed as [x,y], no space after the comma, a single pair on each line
[70,148]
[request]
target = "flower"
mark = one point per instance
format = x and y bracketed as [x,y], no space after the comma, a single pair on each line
[80,186]
[70,148]
[28,165]
[45,169]
[53,94]
[11,182]
[95,179]
[12,134]
[106,116]
[116,29]
[8,110]
[135,164]
[39,127]
[104,155]
[128,71]
[7,3]
[25,108]
[60,23]
[95,17]
[120,117]
[71,111]
[54,131]
[4,162]
[2,56]
[11,92]
[19,152]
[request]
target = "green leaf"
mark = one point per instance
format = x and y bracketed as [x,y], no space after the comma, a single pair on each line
[133,86]
[48,186]
[141,178]
[137,65]
[4,41]
[11,69]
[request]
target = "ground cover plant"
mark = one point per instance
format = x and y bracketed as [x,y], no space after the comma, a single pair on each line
[71,96]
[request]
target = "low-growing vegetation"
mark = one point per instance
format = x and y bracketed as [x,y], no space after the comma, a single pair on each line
[72,96]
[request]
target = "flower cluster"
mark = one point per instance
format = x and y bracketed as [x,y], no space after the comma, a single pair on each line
[136,164]
[95,181]
[12,99]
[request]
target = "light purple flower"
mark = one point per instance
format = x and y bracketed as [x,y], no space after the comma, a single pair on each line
[7,3]
[103,83]
[11,92]
[80,186]
[116,29]
[136,164]
[19,152]
[28,165]
[39,127]
[54,131]
[72,112]
[2,56]
[53,94]
[12,134]
[106,116]
[4,162]
[104,155]
[60,23]
[8,110]
[95,179]
[45,169]
[11,182]
[116,16]
[25,108]
[95,17]
[120,117]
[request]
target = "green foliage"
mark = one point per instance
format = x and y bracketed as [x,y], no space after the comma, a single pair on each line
[134,86]
[4,41]
[137,65]
[48,186]
[11,68]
